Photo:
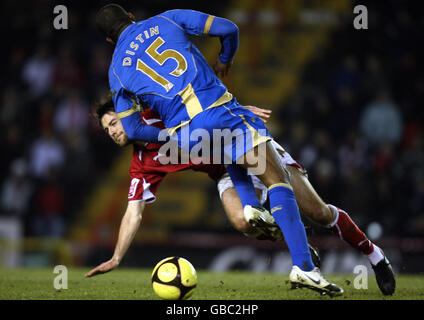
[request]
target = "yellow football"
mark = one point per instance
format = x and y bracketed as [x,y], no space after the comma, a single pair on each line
[174,278]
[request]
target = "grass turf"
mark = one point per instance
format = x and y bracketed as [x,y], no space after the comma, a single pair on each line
[134,284]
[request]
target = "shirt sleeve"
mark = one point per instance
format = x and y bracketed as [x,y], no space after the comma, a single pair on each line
[199,23]
[129,113]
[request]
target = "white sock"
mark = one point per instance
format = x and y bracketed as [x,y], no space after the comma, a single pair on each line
[335,215]
[375,256]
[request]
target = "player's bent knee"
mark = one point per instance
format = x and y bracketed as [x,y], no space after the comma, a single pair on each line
[321,215]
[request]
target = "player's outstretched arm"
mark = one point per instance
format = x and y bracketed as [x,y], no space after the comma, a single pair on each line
[228,34]
[129,226]
[199,23]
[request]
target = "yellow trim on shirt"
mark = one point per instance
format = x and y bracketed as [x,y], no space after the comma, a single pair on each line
[135,108]
[208,24]
[194,107]
[280,185]
[257,139]
[226,97]
[191,101]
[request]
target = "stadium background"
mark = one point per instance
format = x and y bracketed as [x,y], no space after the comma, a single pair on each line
[330,86]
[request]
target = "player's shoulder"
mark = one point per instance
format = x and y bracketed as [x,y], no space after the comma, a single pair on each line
[111,71]
[176,12]
[117,78]
[176,16]
[168,14]
[115,62]
[161,18]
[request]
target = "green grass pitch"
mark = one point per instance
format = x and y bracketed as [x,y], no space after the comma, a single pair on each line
[134,284]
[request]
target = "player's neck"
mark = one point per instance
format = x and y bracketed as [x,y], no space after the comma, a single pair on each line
[123,29]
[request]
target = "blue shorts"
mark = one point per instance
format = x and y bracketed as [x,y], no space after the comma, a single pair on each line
[224,133]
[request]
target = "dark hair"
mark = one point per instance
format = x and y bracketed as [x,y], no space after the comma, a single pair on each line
[111,19]
[102,107]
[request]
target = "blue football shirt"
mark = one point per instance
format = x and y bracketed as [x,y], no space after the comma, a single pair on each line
[155,62]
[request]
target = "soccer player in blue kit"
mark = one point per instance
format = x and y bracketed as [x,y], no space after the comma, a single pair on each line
[154,62]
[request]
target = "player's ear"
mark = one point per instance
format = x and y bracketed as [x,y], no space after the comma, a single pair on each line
[131,16]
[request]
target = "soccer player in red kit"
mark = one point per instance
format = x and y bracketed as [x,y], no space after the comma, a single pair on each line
[147,173]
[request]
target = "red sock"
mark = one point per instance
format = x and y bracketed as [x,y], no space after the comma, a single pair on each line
[348,231]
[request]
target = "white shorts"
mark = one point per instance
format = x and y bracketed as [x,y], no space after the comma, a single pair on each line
[225,182]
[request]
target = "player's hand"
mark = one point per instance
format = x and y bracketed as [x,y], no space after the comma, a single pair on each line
[260,112]
[103,268]
[221,69]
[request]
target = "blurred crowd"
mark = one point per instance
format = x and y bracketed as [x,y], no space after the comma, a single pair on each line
[53,150]
[355,123]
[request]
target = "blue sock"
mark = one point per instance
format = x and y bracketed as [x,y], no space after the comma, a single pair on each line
[286,214]
[244,185]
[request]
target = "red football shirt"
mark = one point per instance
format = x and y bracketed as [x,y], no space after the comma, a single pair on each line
[147,172]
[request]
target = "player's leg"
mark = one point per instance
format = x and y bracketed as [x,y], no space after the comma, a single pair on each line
[310,203]
[282,202]
[340,223]
[286,214]
[244,186]
[236,215]
[233,121]
[236,212]
[259,153]
[328,216]
[240,123]
[242,182]
[251,207]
